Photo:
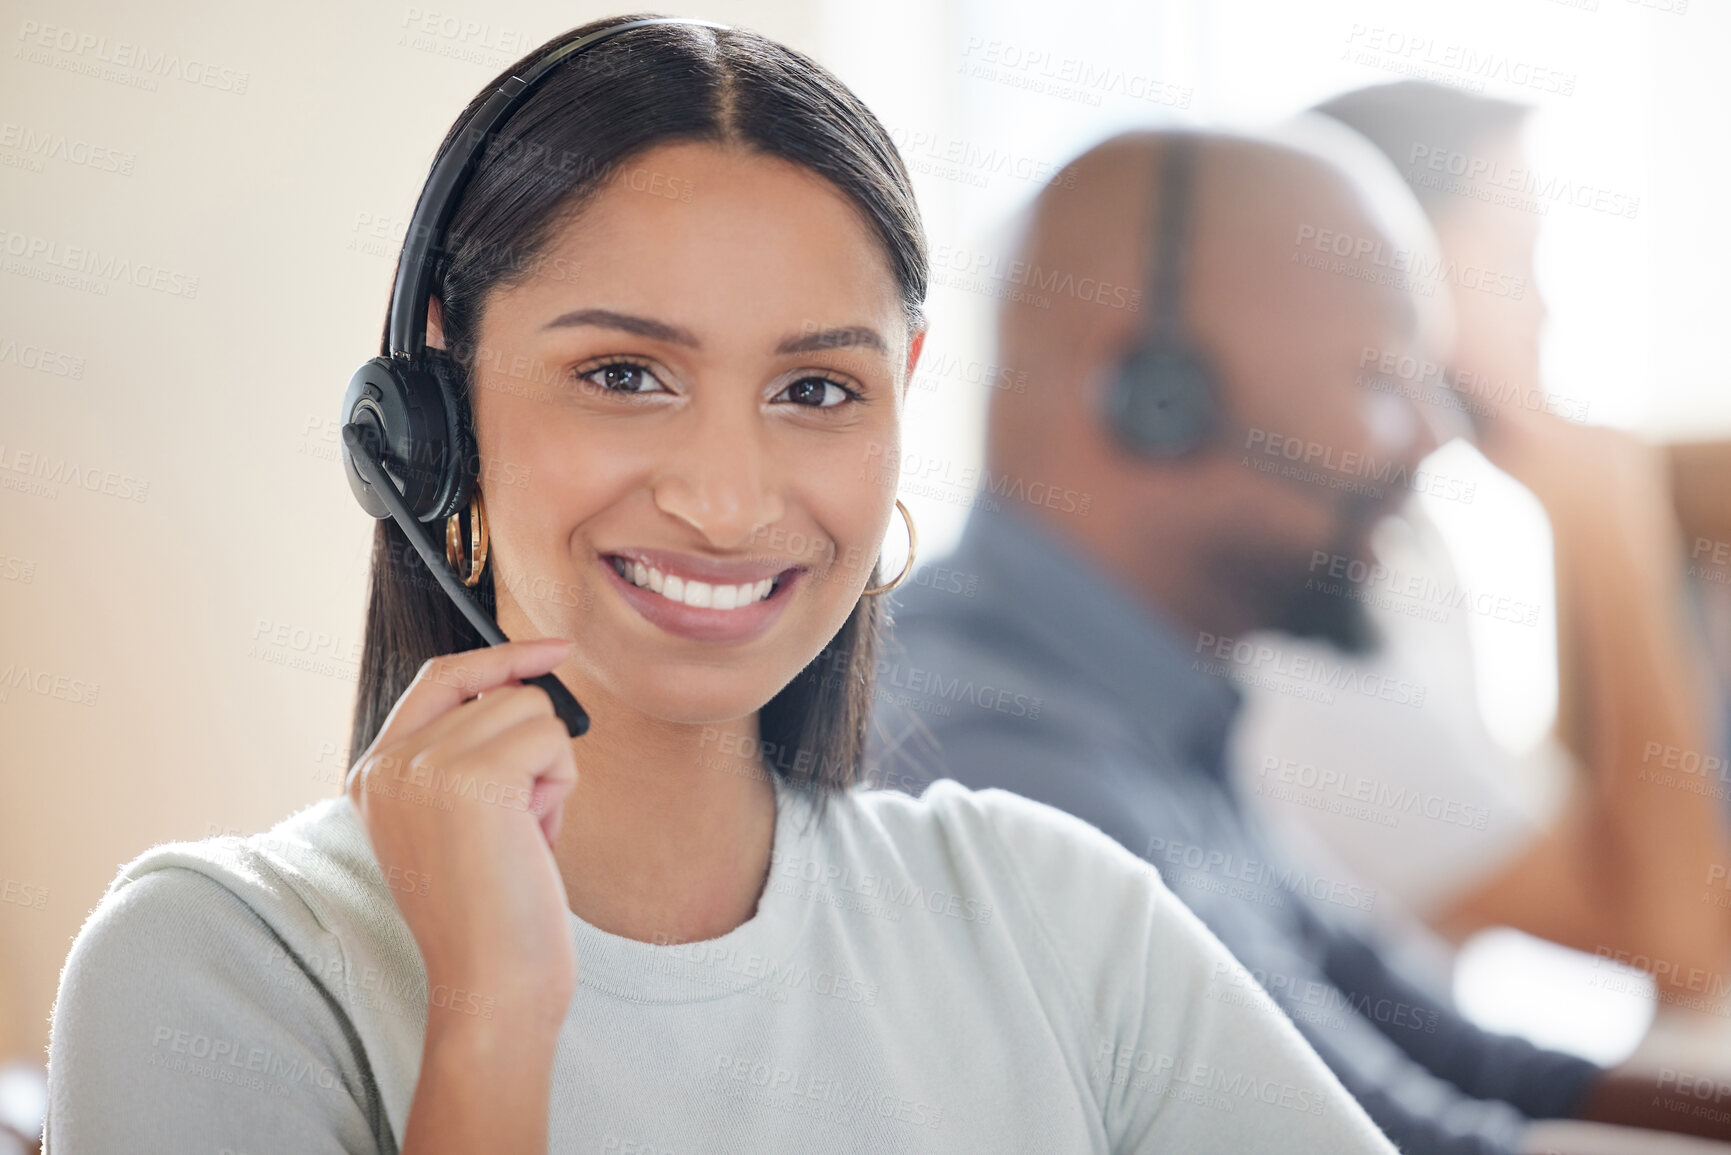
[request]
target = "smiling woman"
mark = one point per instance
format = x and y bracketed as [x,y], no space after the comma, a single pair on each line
[525,293]
[708,359]
[682,290]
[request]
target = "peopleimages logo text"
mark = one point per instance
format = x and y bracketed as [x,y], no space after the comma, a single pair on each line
[1242,657]
[1415,263]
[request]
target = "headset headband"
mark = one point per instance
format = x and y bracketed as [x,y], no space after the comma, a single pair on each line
[1168,247]
[444,187]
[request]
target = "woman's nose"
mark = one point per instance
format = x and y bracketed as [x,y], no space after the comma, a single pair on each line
[719,480]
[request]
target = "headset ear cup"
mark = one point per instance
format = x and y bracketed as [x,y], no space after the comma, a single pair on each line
[404,410]
[464,458]
[371,403]
[1160,402]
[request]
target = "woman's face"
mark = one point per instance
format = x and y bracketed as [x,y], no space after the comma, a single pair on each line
[697,394]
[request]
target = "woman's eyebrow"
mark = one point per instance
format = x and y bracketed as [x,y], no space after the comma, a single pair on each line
[625,322]
[850,336]
[806,341]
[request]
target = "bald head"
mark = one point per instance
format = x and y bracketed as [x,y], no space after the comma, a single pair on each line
[1257,210]
[1290,287]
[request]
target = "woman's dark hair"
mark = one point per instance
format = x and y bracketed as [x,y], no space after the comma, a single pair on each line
[650,86]
[1412,119]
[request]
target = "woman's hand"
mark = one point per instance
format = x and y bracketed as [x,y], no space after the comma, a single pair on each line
[462,794]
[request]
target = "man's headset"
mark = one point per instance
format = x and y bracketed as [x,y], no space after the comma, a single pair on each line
[406,419]
[1161,400]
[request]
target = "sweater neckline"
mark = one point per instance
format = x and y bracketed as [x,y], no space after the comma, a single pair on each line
[748,956]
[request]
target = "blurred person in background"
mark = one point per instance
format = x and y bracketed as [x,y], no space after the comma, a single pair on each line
[1599,838]
[1071,650]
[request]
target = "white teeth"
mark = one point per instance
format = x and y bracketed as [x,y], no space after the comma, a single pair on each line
[693,593]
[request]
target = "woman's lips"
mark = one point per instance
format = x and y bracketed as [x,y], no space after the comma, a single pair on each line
[701,623]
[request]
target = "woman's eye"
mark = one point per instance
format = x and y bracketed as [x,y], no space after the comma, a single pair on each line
[620,377]
[818,393]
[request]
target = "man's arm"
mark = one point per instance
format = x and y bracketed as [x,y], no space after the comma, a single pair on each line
[1663,1101]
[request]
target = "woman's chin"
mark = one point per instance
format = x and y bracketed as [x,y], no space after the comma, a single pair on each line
[692,696]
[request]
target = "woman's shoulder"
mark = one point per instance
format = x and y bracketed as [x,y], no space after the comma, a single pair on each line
[948,817]
[1033,862]
[304,869]
[1125,971]
[200,988]
[168,945]
[309,885]
[261,905]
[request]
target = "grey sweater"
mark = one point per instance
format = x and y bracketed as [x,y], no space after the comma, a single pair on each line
[965,971]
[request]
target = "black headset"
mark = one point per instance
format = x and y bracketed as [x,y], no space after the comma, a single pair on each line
[1160,399]
[406,420]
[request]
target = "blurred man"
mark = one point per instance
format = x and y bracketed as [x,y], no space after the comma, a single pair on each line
[1079,652]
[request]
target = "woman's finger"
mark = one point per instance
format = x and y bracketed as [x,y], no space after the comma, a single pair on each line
[445,683]
[542,745]
[476,721]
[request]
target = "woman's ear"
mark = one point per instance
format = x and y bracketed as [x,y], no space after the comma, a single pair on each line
[435,330]
[916,344]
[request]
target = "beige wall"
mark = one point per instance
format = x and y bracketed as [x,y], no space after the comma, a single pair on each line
[200,508]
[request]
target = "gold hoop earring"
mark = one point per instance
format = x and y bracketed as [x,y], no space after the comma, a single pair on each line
[907,566]
[468,573]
